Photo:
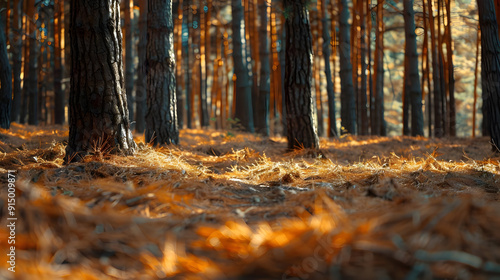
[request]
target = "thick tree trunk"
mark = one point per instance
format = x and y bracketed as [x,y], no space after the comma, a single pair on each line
[299,98]
[129,57]
[59,101]
[243,85]
[17,48]
[98,114]
[32,77]
[140,92]
[161,117]
[412,82]
[263,98]
[327,21]
[490,68]
[347,98]
[5,80]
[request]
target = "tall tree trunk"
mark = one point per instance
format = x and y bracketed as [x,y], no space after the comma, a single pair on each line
[327,21]
[243,86]
[32,78]
[98,114]
[5,80]
[140,92]
[282,61]
[347,98]
[187,62]
[436,76]
[177,11]
[263,98]
[451,73]
[299,98]
[363,101]
[129,57]
[58,65]
[378,126]
[17,48]
[412,83]
[490,67]
[476,68]
[161,117]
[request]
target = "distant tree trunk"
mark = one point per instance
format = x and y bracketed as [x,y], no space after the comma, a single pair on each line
[17,48]
[436,76]
[451,73]
[177,10]
[363,101]
[347,98]
[476,68]
[32,77]
[412,82]
[59,101]
[187,61]
[378,125]
[262,108]
[299,98]
[161,117]
[5,80]
[129,57]
[243,85]
[98,113]
[282,84]
[141,93]
[327,21]
[490,67]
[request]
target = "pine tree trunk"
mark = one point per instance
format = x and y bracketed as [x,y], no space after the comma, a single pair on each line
[378,127]
[490,68]
[129,58]
[98,114]
[161,117]
[5,80]
[243,86]
[347,98]
[299,98]
[263,98]
[332,130]
[32,78]
[59,101]
[187,62]
[451,73]
[140,92]
[17,47]
[436,76]
[363,101]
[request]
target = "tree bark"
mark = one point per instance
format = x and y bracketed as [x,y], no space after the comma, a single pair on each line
[5,80]
[59,101]
[32,77]
[299,97]
[347,98]
[98,114]
[17,48]
[140,92]
[436,76]
[243,86]
[378,126]
[327,21]
[490,68]
[161,117]
[412,82]
[363,102]
[263,98]
[129,57]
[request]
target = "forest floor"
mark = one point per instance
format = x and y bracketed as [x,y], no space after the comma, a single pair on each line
[236,206]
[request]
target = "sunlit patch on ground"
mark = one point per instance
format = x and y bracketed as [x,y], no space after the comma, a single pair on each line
[237,206]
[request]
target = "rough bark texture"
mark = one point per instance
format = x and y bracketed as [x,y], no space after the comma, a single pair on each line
[17,46]
[243,85]
[5,80]
[347,98]
[140,92]
[490,67]
[98,114]
[412,80]
[263,98]
[161,117]
[332,130]
[299,97]
[129,58]
[58,69]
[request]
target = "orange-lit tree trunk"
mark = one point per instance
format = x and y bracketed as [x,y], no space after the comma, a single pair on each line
[140,92]
[347,98]
[161,116]
[490,67]
[299,97]
[5,80]
[17,48]
[451,73]
[98,113]
[363,102]
[59,101]
[31,80]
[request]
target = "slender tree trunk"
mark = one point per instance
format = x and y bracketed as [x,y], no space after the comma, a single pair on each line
[263,98]
[129,57]
[161,116]
[347,98]
[5,80]
[436,77]
[363,101]
[490,67]
[474,106]
[59,117]
[378,126]
[177,11]
[32,78]
[17,48]
[299,98]
[203,100]
[283,67]
[451,73]
[187,62]
[327,21]
[412,83]
[243,86]
[98,114]
[141,93]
